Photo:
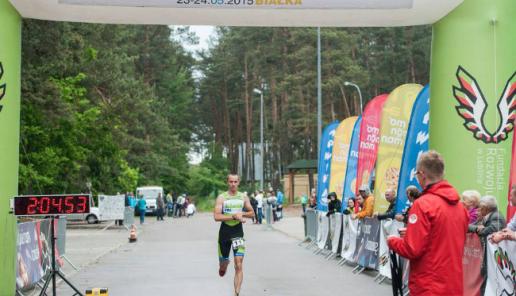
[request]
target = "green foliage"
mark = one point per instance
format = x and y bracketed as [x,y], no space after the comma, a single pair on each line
[105,104]
[206,180]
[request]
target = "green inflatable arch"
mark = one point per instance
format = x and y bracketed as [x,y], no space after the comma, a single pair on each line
[473,66]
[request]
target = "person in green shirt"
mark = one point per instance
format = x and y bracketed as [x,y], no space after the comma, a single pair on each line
[142,207]
[304,201]
[231,209]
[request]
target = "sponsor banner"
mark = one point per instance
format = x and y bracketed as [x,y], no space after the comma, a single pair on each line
[349,238]
[387,227]
[10,73]
[249,4]
[511,209]
[28,268]
[339,156]
[501,269]
[367,243]
[369,139]
[336,231]
[44,245]
[351,170]
[324,166]
[393,131]
[471,263]
[473,95]
[415,144]
[322,232]
[111,207]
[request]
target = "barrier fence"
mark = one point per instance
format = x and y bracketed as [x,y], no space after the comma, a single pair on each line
[311,225]
[363,244]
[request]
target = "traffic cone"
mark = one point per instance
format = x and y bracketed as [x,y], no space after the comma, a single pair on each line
[132,234]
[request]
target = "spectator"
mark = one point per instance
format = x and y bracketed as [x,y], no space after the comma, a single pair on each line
[490,221]
[259,206]
[412,194]
[160,207]
[190,209]
[304,202]
[334,205]
[436,233]
[272,201]
[279,211]
[169,204]
[470,199]
[254,204]
[351,207]
[365,201]
[142,208]
[174,203]
[390,196]
[313,201]
[508,233]
[132,200]
[179,205]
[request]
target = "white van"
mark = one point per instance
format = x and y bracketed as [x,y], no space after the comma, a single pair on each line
[150,193]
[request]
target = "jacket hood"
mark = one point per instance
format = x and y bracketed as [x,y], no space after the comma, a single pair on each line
[444,190]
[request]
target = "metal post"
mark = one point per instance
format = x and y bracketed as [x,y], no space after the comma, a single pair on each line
[319,93]
[260,92]
[53,239]
[261,139]
[347,83]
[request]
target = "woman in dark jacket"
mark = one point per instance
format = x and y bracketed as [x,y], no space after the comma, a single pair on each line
[334,205]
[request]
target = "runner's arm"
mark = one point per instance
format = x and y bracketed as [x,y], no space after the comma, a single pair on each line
[217,212]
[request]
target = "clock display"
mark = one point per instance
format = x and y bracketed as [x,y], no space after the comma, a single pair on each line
[38,205]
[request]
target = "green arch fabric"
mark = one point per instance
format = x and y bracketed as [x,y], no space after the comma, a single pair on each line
[10,52]
[473,66]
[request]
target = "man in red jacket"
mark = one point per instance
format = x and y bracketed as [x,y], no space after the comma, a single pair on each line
[435,235]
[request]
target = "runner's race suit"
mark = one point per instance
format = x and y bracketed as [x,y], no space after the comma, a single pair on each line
[231,233]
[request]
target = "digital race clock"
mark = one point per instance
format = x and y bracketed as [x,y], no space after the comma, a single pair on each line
[42,205]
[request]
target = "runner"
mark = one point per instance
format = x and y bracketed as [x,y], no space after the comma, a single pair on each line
[231,208]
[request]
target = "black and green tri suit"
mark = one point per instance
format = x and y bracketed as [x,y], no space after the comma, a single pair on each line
[231,233]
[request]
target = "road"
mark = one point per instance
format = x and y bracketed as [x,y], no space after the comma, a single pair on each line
[179,257]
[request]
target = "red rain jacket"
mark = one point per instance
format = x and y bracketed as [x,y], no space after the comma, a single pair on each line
[434,242]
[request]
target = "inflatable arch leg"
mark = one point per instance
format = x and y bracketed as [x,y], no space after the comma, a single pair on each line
[473,66]
[10,53]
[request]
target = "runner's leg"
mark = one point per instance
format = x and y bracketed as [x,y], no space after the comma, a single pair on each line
[224,249]
[239,273]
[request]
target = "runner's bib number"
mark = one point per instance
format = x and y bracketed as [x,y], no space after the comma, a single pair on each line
[237,243]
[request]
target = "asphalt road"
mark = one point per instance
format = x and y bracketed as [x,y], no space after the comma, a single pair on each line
[179,257]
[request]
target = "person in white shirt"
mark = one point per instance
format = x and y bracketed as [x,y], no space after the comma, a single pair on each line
[259,206]
[190,210]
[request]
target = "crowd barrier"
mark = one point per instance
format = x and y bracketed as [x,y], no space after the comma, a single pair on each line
[335,232]
[128,216]
[322,232]
[363,244]
[311,225]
